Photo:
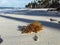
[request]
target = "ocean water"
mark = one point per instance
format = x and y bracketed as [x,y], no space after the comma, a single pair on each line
[5,10]
[26,11]
[8,10]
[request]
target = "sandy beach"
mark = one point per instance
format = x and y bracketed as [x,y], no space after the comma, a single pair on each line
[10,20]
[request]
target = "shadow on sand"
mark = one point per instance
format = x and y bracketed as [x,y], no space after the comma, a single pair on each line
[21,28]
[1,40]
[48,24]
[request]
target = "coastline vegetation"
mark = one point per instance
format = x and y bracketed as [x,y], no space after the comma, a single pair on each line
[44,4]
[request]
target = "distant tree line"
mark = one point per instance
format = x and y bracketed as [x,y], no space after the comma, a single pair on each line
[44,4]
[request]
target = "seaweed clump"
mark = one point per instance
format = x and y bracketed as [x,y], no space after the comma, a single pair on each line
[33,27]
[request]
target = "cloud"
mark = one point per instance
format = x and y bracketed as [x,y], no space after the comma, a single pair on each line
[9,2]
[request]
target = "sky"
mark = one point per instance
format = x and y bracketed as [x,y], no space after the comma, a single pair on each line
[14,3]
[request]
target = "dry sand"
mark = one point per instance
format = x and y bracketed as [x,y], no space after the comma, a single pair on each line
[11,36]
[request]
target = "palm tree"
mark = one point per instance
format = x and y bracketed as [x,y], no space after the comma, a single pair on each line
[35,4]
[55,3]
[39,3]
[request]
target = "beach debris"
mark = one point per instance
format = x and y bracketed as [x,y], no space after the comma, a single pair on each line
[35,38]
[58,21]
[33,27]
[52,19]
[1,40]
